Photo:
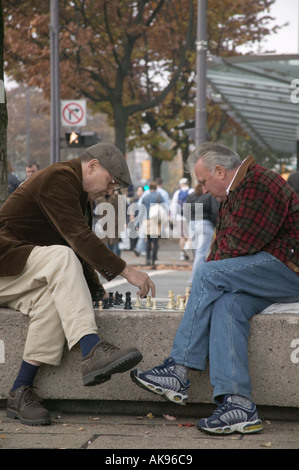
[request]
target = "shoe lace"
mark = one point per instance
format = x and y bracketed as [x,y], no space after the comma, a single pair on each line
[29,395]
[221,408]
[167,367]
[107,346]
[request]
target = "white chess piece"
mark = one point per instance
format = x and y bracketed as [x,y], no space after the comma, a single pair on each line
[137,303]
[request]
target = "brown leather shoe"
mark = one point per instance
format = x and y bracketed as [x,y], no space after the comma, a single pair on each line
[25,404]
[104,360]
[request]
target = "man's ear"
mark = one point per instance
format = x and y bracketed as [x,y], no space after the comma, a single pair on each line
[220,171]
[92,165]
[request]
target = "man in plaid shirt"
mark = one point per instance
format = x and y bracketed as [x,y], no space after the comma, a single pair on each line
[253,263]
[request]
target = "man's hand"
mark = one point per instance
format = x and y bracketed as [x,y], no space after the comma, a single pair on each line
[139,279]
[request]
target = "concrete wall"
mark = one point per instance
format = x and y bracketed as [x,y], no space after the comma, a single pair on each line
[273,356]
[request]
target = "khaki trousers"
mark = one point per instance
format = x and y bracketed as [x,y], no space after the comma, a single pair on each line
[53,292]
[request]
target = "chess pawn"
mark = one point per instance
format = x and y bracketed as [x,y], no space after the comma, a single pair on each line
[187,291]
[100,305]
[137,303]
[182,303]
[148,301]
[186,301]
[154,305]
[178,301]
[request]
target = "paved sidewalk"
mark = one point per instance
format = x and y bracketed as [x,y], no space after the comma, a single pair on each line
[168,256]
[111,433]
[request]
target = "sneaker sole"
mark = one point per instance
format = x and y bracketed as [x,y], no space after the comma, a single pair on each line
[121,365]
[37,422]
[170,395]
[242,428]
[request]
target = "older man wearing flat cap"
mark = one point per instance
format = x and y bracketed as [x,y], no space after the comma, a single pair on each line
[49,259]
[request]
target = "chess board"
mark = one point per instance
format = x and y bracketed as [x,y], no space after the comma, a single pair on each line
[174,303]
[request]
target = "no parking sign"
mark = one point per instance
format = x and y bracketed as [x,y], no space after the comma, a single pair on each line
[73,113]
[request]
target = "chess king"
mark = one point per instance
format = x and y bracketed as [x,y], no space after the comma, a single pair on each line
[49,259]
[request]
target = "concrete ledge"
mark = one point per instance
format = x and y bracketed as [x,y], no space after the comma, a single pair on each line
[273,356]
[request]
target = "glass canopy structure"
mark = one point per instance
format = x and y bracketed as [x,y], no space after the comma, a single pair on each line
[259,92]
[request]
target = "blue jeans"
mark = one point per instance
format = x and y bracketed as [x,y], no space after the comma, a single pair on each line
[224,296]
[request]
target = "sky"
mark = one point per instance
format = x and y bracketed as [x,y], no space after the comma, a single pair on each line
[286,40]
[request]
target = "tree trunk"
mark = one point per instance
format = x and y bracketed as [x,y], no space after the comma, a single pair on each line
[156,165]
[3,119]
[120,125]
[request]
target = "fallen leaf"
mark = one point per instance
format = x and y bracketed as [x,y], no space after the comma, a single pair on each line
[2,436]
[94,419]
[150,416]
[66,425]
[186,425]
[80,429]
[169,417]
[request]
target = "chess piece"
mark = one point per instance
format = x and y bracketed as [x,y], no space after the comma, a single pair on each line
[182,303]
[148,301]
[137,303]
[128,304]
[100,305]
[111,299]
[154,305]
[117,298]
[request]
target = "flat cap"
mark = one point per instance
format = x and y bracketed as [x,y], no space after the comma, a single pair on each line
[111,158]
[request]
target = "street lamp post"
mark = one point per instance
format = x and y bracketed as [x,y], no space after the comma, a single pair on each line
[55,81]
[201,53]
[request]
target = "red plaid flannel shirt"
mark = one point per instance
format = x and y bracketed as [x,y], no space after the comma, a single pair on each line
[260,213]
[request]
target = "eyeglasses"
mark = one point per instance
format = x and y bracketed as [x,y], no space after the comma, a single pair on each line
[114,185]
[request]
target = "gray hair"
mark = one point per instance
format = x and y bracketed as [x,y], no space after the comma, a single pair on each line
[212,154]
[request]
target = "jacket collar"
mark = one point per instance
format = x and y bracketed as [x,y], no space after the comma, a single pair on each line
[243,168]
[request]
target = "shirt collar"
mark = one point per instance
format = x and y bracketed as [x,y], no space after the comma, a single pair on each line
[240,173]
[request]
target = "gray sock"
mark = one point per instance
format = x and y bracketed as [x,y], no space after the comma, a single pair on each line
[181,371]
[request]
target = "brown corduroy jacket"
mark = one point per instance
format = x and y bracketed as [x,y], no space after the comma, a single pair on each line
[51,208]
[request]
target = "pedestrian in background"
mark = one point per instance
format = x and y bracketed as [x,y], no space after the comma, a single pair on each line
[202,229]
[176,210]
[153,222]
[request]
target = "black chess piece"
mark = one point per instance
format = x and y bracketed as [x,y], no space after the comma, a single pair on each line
[128,303]
[111,299]
[106,303]
[98,297]
[117,298]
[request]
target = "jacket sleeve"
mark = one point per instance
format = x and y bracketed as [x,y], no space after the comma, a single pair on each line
[65,213]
